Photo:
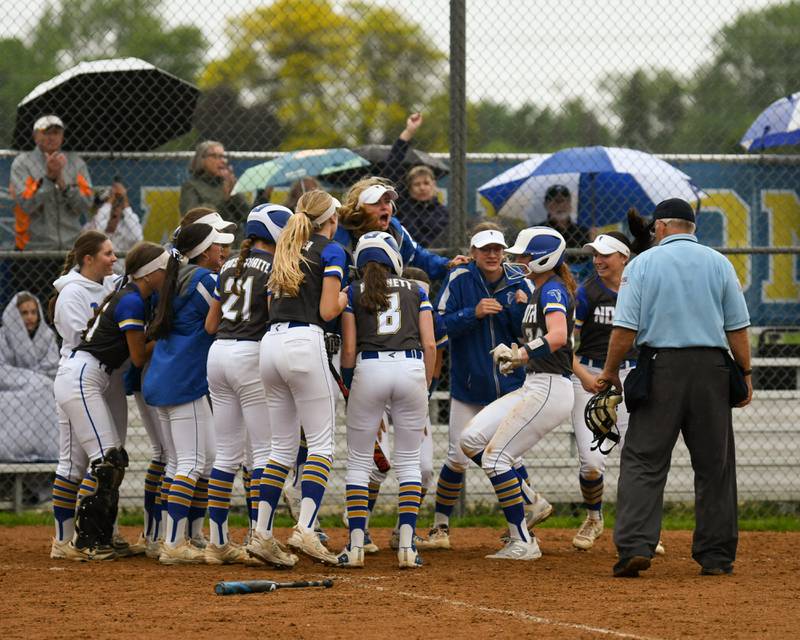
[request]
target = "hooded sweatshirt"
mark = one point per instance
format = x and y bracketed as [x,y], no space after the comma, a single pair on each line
[78,297]
[19,349]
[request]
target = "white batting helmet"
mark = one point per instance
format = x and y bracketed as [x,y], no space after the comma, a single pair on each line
[545,246]
[379,246]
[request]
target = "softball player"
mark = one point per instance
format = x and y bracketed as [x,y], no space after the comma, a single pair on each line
[114,334]
[176,382]
[594,315]
[305,284]
[478,305]
[510,426]
[238,316]
[388,323]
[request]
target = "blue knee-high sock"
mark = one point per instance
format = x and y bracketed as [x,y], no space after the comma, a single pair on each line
[65,498]
[592,491]
[409,497]
[509,495]
[313,484]
[181,492]
[255,490]
[357,501]
[448,488]
[220,487]
[152,484]
[374,489]
[270,486]
[197,511]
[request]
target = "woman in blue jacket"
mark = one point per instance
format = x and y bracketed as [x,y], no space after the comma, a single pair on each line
[477,303]
[176,382]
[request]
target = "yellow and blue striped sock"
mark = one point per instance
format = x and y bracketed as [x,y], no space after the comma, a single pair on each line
[220,487]
[313,484]
[65,498]
[509,495]
[181,492]
[448,489]
[197,511]
[254,493]
[357,502]
[408,499]
[152,481]
[88,486]
[592,491]
[270,486]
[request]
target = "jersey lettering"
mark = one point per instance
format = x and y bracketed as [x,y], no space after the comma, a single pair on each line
[237,305]
[389,321]
[604,315]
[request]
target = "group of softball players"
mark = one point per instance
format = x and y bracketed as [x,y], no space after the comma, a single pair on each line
[228,364]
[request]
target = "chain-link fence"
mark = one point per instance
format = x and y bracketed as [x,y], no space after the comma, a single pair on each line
[295,93]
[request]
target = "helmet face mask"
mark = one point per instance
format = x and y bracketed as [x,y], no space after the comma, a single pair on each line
[379,246]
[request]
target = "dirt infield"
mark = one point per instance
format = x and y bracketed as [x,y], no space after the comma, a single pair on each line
[565,594]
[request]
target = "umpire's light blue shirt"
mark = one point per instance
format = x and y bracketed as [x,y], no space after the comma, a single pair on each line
[681,294]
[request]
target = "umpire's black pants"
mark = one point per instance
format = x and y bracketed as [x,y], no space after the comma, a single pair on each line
[689,394]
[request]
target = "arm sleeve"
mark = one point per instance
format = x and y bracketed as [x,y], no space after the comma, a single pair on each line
[734,306]
[554,298]
[129,313]
[458,319]
[424,302]
[629,300]
[204,291]
[334,261]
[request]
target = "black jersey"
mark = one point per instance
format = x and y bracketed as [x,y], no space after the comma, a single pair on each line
[105,337]
[551,297]
[594,316]
[397,328]
[245,313]
[323,258]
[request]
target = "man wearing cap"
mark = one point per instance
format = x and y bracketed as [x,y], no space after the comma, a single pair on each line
[558,204]
[52,190]
[681,304]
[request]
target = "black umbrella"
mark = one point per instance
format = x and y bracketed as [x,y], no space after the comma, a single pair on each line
[124,104]
[377,154]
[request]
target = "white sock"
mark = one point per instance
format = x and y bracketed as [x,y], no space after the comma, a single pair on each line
[65,530]
[216,537]
[356,538]
[179,527]
[263,525]
[307,509]
[406,535]
[594,515]
[196,528]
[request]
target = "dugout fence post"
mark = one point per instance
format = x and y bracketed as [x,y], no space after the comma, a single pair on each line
[458,125]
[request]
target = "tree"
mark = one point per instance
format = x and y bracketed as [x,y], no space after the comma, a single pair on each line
[334,76]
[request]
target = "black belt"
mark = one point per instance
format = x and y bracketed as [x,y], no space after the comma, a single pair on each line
[600,364]
[103,366]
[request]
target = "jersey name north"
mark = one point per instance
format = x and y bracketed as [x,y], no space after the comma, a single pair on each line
[604,315]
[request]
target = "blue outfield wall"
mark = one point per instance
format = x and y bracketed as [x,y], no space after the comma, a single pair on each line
[748,203]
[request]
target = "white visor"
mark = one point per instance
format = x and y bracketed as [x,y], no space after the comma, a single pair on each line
[372,194]
[490,236]
[216,221]
[606,245]
[154,265]
[215,237]
[322,219]
[45,122]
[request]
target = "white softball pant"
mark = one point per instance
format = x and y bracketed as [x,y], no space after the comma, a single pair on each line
[86,425]
[299,389]
[191,429]
[239,403]
[461,413]
[512,425]
[377,383]
[593,461]
[155,430]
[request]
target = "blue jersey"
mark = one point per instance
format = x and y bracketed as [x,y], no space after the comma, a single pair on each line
[474,378]
[177,372]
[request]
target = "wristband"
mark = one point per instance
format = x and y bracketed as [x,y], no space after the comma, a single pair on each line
[347,376]
[538,348]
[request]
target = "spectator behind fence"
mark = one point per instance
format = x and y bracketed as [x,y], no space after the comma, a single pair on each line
[52,191]
[418,206]
[115,217]
[298,188]
[28,363]
[210,183]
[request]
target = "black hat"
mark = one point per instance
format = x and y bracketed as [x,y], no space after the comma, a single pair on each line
[674,208]
[556,191]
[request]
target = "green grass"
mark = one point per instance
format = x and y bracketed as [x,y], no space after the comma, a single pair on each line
[752,517]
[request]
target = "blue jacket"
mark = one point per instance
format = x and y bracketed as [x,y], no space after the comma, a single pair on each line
[414,255]
[473,377]
[177,371]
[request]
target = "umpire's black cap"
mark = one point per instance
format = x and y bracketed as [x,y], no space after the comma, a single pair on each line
[674,208]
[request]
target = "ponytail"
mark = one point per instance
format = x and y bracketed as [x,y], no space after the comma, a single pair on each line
[375,296]
[563,272]
[244,254]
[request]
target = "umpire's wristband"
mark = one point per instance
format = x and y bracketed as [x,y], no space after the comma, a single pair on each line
[538,348]
[347,376]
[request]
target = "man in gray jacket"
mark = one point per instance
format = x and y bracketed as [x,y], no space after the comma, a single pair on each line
[52,190]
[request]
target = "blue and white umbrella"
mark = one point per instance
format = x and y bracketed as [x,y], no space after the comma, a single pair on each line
[604,181]
[778,125]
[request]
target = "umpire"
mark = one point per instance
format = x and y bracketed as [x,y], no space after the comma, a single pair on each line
[683,301]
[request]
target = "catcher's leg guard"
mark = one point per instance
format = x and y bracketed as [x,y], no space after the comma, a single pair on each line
[94,520]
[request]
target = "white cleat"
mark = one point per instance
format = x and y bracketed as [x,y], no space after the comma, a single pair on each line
[229,553]
[182,553]
[518,550]
[408,558]
[438,538]
[538,511]
[139,547]
[269,551]
[589,531]
[352,558]
[394,541]
[660,550]
[369,546]
[154,548]
[66,550]
[308,542]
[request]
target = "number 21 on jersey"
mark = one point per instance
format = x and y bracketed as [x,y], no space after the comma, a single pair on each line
[237,305]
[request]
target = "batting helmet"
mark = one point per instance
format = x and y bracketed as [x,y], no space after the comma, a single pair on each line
[379,246]
[266,222]
[544,245]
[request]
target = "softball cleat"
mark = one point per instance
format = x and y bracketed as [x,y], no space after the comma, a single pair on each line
[369,546]
[538,511]
[408,558]
[269,551]
[394,542]
[182,553]
[518,550]
[589,531]
[229,553]
[438,538]
[308,542]
[352,558]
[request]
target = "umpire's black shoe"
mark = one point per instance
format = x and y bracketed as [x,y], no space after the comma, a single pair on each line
[717,571]
[630,567]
